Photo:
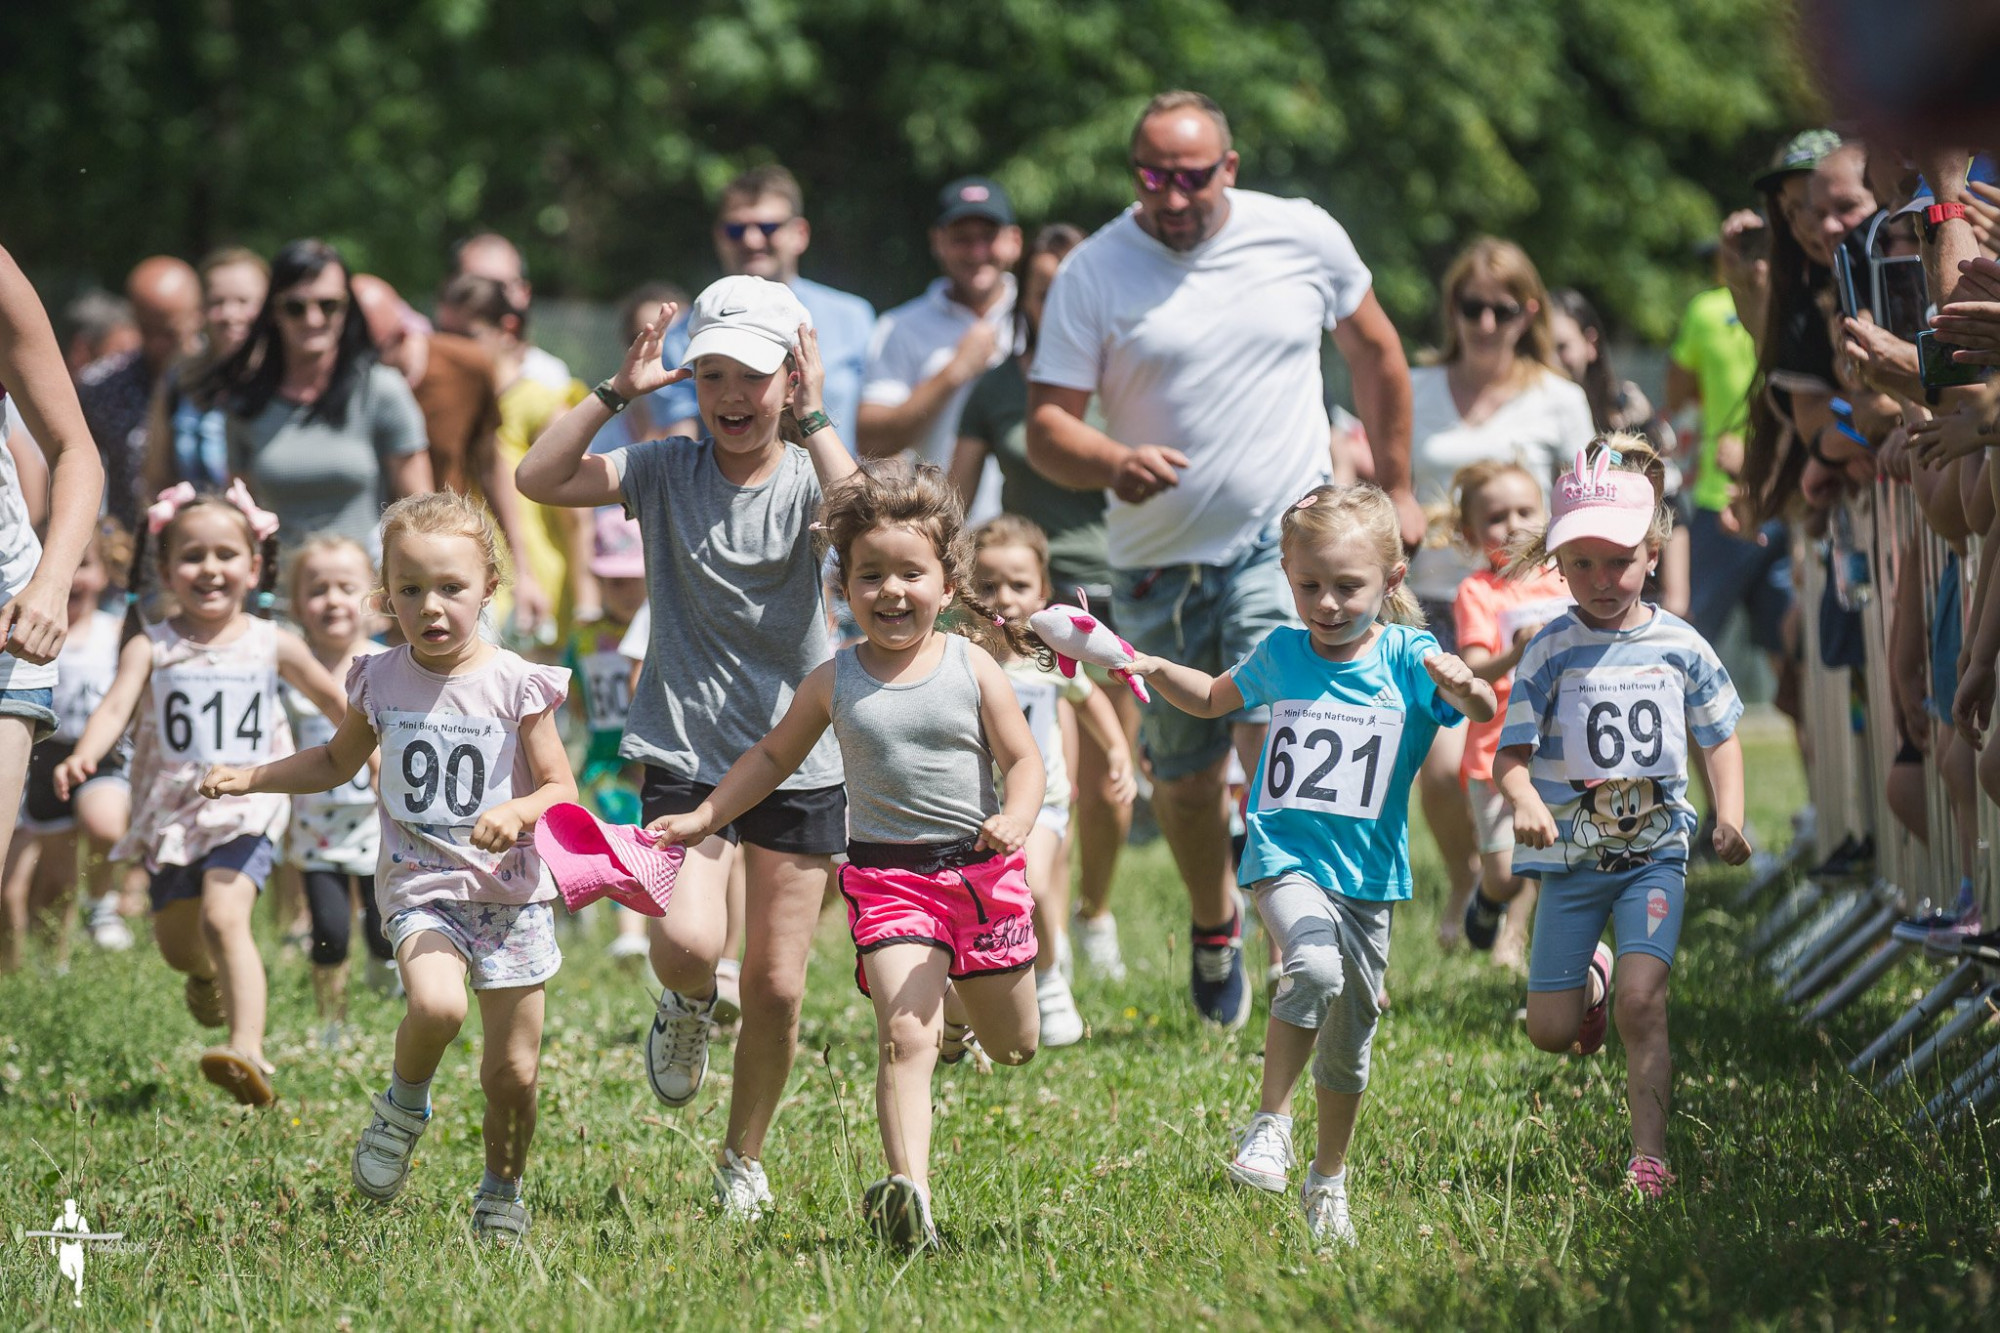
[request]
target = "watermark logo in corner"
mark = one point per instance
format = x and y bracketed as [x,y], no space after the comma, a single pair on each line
[67,1236]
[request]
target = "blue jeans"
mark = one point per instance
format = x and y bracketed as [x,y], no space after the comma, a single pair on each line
[1726,572]
[1207,617]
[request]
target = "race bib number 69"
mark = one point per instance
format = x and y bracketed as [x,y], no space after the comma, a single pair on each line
[1338,759]
[1623,724]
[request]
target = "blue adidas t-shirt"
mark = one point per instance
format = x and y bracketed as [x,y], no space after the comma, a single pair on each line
[1611,714]
[1331,797]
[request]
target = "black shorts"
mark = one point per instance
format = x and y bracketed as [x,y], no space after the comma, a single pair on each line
[808,822]
[40,805]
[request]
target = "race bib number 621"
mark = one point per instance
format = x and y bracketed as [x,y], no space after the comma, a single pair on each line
[1623,724]
[1338,759]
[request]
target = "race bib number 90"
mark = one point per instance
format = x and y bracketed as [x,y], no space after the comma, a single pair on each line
[214,714]
[1623,724]
[1338,759]
[444,769]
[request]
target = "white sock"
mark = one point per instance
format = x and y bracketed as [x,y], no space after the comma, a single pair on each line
[1314,1180]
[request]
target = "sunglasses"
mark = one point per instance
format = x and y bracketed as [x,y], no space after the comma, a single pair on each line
[1504,312]
[293,307]
[1188,180]
[736,231]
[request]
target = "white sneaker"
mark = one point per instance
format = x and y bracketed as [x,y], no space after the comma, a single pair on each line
[382,1157]
[1065,957]
[108,929]
[728,991]
[629,946]
[1324,1201]
[1099,937]
[1062,1025]
[383,975]
[677,1048]
[900,1213]
[1264,1153]
[498,1219]
[740,1187]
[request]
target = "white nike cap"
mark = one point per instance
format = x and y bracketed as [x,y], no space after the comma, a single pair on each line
[752,320]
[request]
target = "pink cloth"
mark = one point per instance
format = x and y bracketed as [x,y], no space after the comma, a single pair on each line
[980,914]
[591,859]
[450,752]
[193,688]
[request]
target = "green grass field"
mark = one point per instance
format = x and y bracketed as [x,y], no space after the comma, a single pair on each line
[1083,1190]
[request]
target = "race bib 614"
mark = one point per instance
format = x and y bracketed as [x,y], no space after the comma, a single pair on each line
[1335,758]
[212,713]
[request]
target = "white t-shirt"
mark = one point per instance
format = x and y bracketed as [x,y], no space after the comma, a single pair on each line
[913,342]
[1215,352]
[545,367]
[1541,428]
[20,552]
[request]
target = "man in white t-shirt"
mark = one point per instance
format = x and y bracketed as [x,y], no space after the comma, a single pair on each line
[928,352]
[491,255]
[1196,317]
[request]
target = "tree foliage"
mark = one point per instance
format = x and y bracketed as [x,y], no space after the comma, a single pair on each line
[1604,135]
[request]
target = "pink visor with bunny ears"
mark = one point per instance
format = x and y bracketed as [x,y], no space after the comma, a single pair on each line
[1592,501]
[590,859]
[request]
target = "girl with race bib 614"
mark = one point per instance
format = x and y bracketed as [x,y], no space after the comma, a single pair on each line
[208,678]
[1594,759]
[1356,697]
[470,760]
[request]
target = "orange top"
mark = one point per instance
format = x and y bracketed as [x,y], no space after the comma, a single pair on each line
[1490,609]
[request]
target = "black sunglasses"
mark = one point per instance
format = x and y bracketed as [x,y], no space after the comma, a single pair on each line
[293,307]
[736,231]
[1188,180]
[1505,312]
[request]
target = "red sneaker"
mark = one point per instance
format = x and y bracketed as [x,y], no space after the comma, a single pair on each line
[1648,1177]
[1590,1037]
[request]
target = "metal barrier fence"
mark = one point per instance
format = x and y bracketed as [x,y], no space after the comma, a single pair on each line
[1832,903]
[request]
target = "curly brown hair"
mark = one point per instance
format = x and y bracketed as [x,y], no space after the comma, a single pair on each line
[895,494]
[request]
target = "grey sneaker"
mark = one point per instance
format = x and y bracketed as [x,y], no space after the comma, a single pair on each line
[900,1213]
[1324,1203]
[1098,937]
[498,1219]
[677,1048]
[1264,1154]
[740,1187]
[382,1157]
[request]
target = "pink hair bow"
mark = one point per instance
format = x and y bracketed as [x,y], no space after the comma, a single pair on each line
[263,523]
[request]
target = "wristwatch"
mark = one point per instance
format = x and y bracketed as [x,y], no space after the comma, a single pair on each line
[611,398]
[814,421]
[1937,215]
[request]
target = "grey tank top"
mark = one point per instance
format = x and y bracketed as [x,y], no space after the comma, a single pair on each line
[918,766]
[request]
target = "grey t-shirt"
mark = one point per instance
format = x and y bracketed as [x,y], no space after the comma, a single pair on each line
[318,477]
[917,752]
[734,592]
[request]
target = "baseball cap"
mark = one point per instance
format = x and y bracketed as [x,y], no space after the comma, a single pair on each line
[752,320]
[1594,501]
[974,197]
[616,552]
[1802,152]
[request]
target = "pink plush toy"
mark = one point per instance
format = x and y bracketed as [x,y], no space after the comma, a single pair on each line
[1077,636]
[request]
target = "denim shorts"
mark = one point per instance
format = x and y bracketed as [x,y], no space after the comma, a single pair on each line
[251,855]
[1207,617]
[1644,907]
[37,706]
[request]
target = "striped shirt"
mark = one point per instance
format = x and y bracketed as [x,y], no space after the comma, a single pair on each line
[1611,715]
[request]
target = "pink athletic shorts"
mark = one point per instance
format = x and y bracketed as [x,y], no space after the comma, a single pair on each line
[956,896]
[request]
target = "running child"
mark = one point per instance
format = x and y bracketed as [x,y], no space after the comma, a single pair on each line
[1010,573]
[1594,758]
[1496,616]
[62,832]
[334,834]
[734,591]
[936,883]
[1356,697]
[206,679]
[471,758]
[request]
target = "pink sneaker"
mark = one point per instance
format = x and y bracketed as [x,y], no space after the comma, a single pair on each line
[1590,1037]
[1648,1176]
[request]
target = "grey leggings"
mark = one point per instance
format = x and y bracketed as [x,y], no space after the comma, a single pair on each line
[1335,952]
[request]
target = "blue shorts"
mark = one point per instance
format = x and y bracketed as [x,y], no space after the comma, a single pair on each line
[1726,572]
[36,707]
[250,855]
[1207,617]
[1947,635]
[1644,907]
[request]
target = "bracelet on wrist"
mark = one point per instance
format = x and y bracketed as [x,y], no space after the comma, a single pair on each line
[814,421]
[611,398]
